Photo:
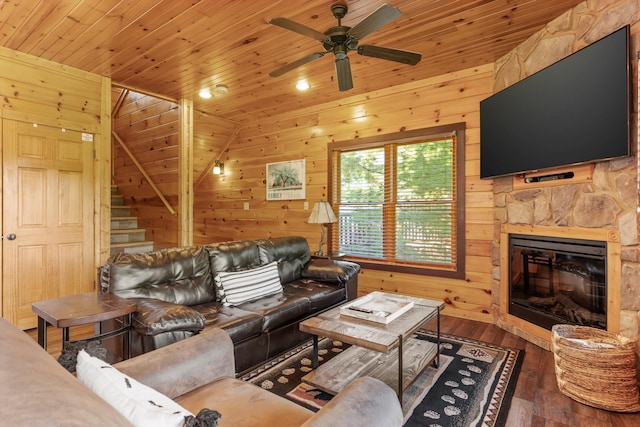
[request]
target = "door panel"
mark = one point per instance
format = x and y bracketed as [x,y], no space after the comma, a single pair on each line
[48,205]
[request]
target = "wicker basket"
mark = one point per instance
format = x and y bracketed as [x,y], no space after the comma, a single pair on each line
[596,367]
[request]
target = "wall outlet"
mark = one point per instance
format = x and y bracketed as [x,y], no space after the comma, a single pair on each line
[306,206]
[246,206]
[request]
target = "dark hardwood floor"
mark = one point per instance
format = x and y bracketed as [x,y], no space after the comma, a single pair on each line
[537,402]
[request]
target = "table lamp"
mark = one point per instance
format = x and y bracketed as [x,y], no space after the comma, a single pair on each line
[322,214]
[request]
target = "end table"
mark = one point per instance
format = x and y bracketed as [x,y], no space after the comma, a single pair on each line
[82,309]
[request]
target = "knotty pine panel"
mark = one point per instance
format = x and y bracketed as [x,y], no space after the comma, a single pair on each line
[478,247]
[475,185]
[476,231]
[158,222]
[44,75]
[154,155]
[305,133]
[147,147]
[479,215]
[39,91]
[334,123]
[149,127]
[138,107]
[479,199]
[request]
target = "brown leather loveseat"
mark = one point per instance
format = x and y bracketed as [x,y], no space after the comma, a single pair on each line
[35,390]
[181,291]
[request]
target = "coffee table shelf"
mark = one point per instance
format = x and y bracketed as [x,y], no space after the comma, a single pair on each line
[388,351]
[356,362]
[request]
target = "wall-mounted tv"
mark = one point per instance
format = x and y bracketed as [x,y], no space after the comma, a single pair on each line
[574,111]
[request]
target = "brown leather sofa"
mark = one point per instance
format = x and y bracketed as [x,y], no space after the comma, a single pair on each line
[177,298]
[35,390]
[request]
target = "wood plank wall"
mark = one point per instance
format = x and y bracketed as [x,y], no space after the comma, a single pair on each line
[219,213]
[149,127]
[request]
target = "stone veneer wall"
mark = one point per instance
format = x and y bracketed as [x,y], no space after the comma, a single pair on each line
[611,199]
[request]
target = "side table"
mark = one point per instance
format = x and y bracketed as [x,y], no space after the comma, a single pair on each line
[82,309]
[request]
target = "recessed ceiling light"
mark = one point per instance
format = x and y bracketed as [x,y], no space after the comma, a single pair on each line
[302,85]
[205,93]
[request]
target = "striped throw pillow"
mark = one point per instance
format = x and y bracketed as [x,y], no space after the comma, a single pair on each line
[236,287]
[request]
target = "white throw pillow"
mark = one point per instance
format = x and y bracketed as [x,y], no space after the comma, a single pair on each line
[141,405]
[236,287]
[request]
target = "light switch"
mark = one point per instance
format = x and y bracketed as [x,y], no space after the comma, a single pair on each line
[246,206]
[306,206]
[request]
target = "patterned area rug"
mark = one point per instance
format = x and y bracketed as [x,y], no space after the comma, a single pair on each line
[473,385]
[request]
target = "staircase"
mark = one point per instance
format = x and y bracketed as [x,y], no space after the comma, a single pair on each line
[125,234]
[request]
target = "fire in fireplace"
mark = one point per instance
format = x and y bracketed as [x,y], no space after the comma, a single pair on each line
[558,280]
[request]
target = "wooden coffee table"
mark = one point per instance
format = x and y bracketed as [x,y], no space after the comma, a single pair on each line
[82,309]
[383,351]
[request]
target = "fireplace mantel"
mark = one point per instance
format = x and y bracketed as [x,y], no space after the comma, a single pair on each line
[537,334]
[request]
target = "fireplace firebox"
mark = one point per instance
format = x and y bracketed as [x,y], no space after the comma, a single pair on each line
[558,280]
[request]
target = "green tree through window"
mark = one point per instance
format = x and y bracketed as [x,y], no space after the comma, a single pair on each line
[396,202]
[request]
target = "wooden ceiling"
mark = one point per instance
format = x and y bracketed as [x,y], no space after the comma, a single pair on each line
[176,47]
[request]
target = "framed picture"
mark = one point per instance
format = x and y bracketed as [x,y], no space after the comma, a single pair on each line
[286,180]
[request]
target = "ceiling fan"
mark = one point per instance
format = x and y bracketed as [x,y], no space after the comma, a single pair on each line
[340,39]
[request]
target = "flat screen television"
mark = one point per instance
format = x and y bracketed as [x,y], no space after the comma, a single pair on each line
[575,111]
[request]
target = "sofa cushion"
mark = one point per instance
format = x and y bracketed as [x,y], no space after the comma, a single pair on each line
[238,323]
[233,256]
[177,275]
[141,405]
[330,271]
[291,254]
[320,295]
[244,404]
[236,287]
[278,310]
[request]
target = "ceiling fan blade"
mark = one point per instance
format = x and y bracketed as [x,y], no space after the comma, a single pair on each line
[295,64]
[343,71]
[397,55]
[290,25]
[379,17]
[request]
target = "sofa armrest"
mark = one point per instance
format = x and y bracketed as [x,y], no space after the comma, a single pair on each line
[185,365]
[154,316]
[342,273]
[364,402]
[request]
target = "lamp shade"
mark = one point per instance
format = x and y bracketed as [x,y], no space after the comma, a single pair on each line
[322,214]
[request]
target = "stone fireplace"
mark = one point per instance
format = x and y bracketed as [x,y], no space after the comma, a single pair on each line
[602,205]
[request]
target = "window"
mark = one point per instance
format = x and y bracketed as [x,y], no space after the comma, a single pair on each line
[398,201]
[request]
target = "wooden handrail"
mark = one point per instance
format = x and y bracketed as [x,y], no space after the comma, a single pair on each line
[206,170]
[144,173]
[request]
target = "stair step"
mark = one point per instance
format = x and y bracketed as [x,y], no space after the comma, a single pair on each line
[128,235]
[124,222]
[125,235]
[131,248]
[117,200]
[120,211]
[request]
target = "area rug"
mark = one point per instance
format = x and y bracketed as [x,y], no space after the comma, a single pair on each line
[473,385]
